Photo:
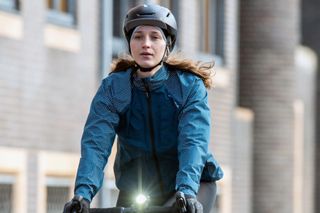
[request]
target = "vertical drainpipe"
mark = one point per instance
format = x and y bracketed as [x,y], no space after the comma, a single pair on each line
[106,23]
[106,15]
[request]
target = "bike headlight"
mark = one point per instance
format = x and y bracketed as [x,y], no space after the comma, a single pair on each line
[141,199]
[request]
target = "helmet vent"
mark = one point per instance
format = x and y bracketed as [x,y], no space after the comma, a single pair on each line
[168,14]
[145,14]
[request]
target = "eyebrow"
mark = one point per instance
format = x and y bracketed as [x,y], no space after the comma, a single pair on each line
[153,32]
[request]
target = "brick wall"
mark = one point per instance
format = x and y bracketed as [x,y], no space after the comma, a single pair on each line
[45,92]
[268,37]
[41,104]
[222,97]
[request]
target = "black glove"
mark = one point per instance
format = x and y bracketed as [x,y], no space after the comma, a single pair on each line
[77,205]
[188,204]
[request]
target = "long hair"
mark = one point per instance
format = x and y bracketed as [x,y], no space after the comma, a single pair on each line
[203,70]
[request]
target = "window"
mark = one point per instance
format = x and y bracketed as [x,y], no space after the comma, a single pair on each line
[56,198]
[5,197]
[58,191]
[172,5]
[62,12]
[11,21]
[6,193]
[120,9]
[10,5]
[212,27]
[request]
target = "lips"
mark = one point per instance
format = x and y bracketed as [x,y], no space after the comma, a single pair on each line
[146,54]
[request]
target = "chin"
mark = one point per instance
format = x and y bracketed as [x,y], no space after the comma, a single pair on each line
[146,65]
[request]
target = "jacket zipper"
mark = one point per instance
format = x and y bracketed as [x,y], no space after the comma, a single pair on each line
[151,129]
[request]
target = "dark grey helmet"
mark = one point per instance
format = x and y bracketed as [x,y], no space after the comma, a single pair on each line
[154,15]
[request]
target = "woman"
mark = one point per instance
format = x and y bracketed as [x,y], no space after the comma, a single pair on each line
[157,106]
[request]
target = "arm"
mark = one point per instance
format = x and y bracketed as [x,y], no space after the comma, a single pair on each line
[96,143]
[193,139]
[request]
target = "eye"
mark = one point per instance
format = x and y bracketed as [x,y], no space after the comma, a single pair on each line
[156,37]
[137,37]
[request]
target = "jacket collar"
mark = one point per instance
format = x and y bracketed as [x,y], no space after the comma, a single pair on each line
[153,82]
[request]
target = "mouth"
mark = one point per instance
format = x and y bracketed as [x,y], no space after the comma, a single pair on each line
[146,54]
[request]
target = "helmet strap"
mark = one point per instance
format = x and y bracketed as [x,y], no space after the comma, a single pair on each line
[142,69]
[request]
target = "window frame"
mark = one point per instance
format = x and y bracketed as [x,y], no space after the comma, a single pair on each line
[211,30]
[56,16]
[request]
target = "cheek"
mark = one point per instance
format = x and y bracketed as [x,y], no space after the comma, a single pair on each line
[162,47]
[133,48]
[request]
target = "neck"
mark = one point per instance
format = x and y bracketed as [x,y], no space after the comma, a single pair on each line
[148,74]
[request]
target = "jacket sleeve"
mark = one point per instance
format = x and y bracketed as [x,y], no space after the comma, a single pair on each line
[193,139]
[96,143]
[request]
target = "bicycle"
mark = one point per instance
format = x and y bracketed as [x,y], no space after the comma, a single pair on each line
[143,208]
[151,209]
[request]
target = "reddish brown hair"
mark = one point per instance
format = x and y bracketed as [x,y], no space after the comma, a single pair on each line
[203,70]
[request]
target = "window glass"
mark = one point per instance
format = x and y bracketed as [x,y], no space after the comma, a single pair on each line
[171,4]
[56,198]
[6,193]
[116,18]
[58,191]
[10,5]
[219,38]
[64,7]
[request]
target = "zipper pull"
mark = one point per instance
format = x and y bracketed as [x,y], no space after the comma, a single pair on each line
[146,87]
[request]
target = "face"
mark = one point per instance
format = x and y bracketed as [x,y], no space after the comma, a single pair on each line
[147,46]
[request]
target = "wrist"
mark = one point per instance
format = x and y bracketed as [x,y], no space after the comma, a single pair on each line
[187,191]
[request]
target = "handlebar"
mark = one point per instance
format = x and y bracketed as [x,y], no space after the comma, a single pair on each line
[151,209]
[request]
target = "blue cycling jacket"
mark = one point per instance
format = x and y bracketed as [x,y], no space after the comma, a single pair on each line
[163,129]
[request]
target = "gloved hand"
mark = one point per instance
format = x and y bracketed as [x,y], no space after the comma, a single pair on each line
[188,204]
[77,205]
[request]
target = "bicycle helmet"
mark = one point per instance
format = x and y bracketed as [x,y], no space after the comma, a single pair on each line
[154,15]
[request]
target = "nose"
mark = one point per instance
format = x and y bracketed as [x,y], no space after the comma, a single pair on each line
[146,43]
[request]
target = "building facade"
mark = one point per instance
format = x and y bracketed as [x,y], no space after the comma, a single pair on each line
[310,33]
[53,55]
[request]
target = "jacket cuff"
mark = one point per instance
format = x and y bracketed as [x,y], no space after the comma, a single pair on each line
[187,191]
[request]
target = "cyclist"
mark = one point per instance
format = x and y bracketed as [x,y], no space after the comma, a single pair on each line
[157,105]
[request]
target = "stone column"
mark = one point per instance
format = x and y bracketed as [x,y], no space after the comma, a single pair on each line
[268,37]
